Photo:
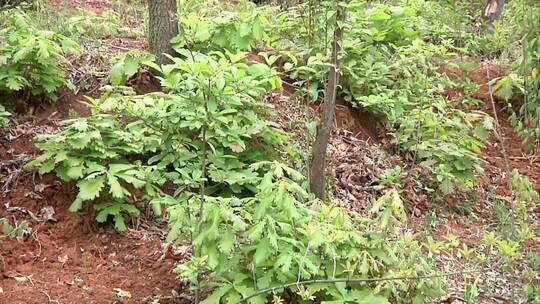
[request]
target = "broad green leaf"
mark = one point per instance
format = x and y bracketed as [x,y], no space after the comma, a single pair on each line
[116,189]
[76,205]
[46,167]
[74,172]
[119,223]
[89,189]
[227,242]
[262,252]
[216,296]
[447,186]
[131,67]
[116,74]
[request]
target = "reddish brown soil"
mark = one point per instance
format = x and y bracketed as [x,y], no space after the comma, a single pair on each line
[509,143]
[72,260]
[505,152]
[362,124]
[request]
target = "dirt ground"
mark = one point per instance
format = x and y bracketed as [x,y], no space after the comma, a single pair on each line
[65,258]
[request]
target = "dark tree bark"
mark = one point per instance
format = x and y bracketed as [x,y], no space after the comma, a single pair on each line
[162,27]
[8,4]
[493,9]
[317,182]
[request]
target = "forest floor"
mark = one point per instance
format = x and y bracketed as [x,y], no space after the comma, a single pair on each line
[67,258]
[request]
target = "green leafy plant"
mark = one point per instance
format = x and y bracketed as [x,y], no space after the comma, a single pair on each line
[88,24]
[9,231]
[131,140]
[388,70]
[392,177]
[525,196]
[126,65]
[4,117]
[244,210]
[273,238]
[526,118]
[507,86]
[233,31]
[92,151]
[504,219]
[118,211]
[471,292]
[510,251]
[30,59]
[447,145]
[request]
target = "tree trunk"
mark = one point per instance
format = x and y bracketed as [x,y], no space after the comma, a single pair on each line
[317,182]
[8,4]
[162,27]
[493,9]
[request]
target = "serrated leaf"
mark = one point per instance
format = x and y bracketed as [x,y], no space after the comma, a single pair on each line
[256,232]
[76,205]
[115,188]
[119,223]
[216,296]
[89,189]
[101,217]
[447,186]
[47,167]
[227,242]
[75,172]
[262,252]
[14,84]
[136,182]
[43,50]
[481,132]
[284,262]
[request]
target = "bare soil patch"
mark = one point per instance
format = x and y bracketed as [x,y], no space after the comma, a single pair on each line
[68,258]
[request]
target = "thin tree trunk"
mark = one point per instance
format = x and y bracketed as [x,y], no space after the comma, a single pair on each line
[493,9]
[317,182]
[8,4]
[162,27]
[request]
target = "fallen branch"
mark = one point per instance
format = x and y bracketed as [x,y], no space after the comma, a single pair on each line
[353,280]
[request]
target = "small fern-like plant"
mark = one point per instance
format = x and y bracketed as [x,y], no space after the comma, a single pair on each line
[92,151]
[30,59]
[4,117]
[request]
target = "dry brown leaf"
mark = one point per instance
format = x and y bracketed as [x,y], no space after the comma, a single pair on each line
[236,148]
[63,259]
[122,293]
[23,278]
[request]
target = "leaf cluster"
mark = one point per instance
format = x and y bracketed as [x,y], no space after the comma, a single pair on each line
[235,31]
[4,115]
[246,244]
[31,59]
[142,141]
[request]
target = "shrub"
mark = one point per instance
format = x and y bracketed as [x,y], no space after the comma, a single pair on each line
[158,137]
[242,245]
[30,59]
